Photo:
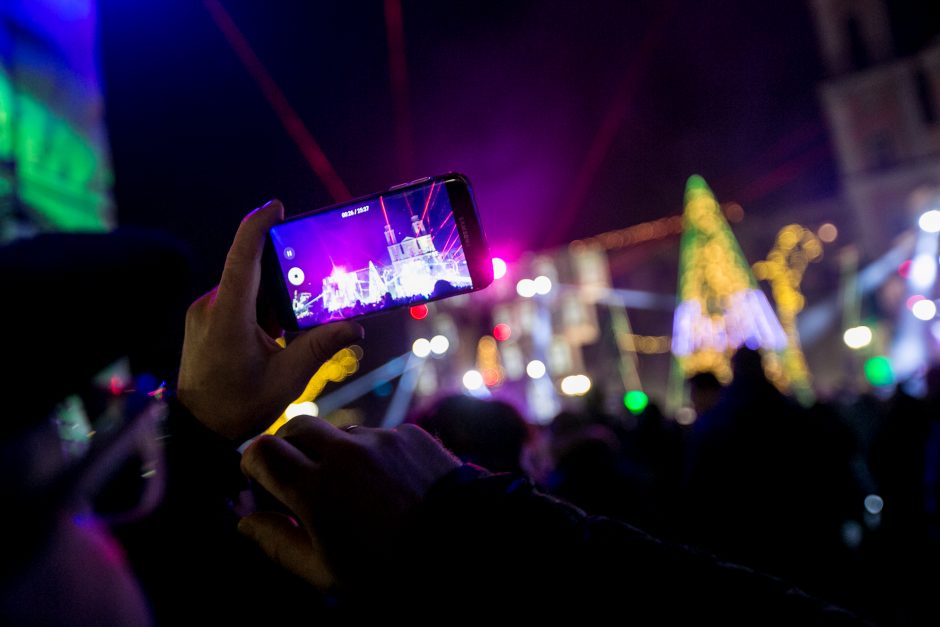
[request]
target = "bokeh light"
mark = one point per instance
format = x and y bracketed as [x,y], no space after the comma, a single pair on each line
[419,312]
[827,232]
[878,371]
[421,347]
[636,401]
[473,380]
[543,285]
[499,268]
[526,288]
[307,408]
[492,377]
[685,416]
[857,337]
[924,309]
[923,271]
[502,332]
[913,300]
[874,504]
[439,344]
[575,385]
[734,212]
[904,269]
[535,369]
[929,221]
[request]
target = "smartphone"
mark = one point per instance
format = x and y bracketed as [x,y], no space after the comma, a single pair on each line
[416,242]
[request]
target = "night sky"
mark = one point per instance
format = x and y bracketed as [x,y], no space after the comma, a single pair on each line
[570,118]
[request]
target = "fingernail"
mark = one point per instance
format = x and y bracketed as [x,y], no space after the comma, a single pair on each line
[275,202]
[246,528]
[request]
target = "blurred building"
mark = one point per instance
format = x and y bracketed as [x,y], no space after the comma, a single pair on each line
[55,163]
[882,103]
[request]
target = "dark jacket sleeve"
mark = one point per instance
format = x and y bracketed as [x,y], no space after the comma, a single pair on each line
[483,540]
[193,564]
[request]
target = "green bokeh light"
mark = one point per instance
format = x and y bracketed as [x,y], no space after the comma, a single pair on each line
[636,401]
[878,371]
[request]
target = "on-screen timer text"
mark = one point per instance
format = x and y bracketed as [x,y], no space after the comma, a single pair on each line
[352,212]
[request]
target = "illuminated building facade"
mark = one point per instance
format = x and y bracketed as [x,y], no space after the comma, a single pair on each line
[416,268]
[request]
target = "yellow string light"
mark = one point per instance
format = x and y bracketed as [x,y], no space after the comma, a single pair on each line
[794,249]
[645,344]
[335,369]
[646,231]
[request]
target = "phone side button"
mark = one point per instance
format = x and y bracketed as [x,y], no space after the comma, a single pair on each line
[423,179]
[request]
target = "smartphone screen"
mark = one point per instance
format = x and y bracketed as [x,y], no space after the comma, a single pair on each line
[388,250]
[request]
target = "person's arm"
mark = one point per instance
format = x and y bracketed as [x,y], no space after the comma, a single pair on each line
[392,520]
[509,545]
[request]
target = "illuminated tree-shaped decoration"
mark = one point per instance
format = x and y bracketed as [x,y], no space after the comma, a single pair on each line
[720,306]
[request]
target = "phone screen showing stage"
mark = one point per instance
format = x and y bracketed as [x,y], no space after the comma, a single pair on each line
[396,249]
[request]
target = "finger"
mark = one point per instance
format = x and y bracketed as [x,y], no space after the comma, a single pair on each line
[431,446]
[312,436]
[284,471]
[292,368]
[238,289]
[290,546]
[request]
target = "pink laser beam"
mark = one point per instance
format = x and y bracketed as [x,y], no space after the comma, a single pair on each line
[384,214]
[427,203]
[288,117]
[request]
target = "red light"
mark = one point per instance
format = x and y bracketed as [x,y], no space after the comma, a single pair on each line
[905,268]
[502,332]
[419,312]
[116,385]
[492,377]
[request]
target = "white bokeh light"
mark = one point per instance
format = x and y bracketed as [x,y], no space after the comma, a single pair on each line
[499,268]
[575,385]
[924,309]
[439,344]
[535,369]
[930,221]
[307,408]
[857,337]
[421,347]
[923,271]
[526,288]
[543,285]
[473,380]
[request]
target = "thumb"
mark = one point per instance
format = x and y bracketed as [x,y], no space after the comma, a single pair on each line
[290,546]
[303,356]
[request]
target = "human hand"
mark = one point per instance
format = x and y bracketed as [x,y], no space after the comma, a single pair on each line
[234,377]
[352,492]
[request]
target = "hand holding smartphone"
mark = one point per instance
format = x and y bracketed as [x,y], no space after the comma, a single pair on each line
[416,242]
